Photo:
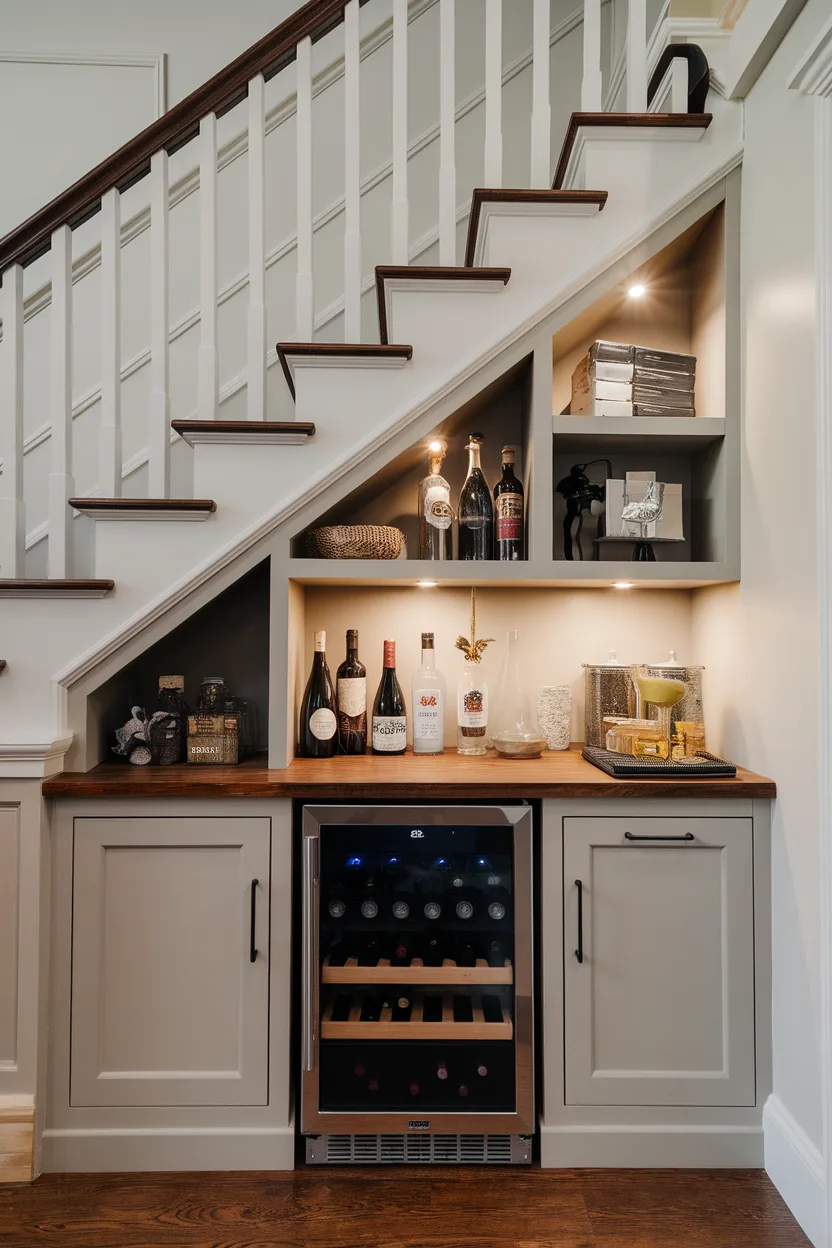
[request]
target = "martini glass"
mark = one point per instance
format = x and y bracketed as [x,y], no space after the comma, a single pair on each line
[662,693]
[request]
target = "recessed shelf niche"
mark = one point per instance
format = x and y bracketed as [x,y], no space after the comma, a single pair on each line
[501,413]
[228,637]
[684,308]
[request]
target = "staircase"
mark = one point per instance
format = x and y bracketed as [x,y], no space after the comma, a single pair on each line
[617,177]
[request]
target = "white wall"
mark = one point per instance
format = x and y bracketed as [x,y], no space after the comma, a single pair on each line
[759,639]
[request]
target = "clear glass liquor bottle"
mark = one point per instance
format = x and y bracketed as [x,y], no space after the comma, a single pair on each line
[472,711]
[476,512]
[436,515]
[428,701]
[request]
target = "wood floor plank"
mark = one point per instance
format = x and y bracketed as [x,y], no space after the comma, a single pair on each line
[401,1207]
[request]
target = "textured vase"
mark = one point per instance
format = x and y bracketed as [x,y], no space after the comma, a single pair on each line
[554,714]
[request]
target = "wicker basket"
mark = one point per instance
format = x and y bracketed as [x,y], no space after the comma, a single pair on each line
[355,541]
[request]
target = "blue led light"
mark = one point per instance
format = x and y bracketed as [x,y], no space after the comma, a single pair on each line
[353,862]
[483,862]
[391,862]
[441,862]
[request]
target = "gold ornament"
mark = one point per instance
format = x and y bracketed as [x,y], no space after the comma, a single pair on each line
[473,649]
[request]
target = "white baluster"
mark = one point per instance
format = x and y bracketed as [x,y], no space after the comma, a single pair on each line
[591,88]
[256,386]
[493,171]
[158,402]
[352,179]
[109,465]
[208,369]
[541,165]
[303,288]
[679,68]
[12,514]
[61,484]
[637,57]
[447,122]
[399,220]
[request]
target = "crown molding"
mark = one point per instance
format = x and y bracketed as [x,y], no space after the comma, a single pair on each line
[33,759]
[813,73]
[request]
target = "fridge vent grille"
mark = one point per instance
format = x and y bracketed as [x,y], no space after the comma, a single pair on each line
[419,1149]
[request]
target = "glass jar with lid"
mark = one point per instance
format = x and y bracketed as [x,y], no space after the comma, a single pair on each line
[212,695]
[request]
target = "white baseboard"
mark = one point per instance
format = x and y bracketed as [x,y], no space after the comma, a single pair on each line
[677,1147]
[795,1166]
[167,1148]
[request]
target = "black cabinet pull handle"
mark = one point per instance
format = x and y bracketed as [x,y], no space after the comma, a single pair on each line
[579,952]
[252,956]
[686,836]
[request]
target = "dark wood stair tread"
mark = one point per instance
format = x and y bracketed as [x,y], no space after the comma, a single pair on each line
[143,504]
[625,121]
[486,195]
[34,588]
[240,432]
[338,350]
[432,273]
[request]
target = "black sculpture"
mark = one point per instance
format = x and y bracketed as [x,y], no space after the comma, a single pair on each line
[581,495]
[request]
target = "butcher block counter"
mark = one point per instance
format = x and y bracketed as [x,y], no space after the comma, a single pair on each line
[554,775]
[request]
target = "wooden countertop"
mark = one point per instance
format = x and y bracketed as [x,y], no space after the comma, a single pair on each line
[370,776]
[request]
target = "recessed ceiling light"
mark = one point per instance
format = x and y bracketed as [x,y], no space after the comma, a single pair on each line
[427,584]
[622,584]
[637,290]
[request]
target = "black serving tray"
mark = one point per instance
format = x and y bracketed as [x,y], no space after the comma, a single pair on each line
[623,766]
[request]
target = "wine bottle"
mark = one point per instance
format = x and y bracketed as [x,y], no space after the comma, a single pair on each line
[351,690]
[428,689]
[508,505]
[338,902]
[318,723]
[476,514]
[389,714]
[441,1070]
[436,516]
[482,1070]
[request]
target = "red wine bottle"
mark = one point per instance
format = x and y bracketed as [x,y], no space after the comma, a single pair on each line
[351,687]
[508,504]
[463,1089]
[414,1089]
[318,723]
[476,514]
[389,714]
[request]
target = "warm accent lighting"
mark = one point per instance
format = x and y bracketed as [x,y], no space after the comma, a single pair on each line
[427,584]
[637,291]
[622,584]
[435,446]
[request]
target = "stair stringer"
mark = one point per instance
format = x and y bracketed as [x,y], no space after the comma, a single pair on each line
[59,660]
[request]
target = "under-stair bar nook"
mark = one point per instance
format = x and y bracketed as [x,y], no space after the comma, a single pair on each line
[45,261]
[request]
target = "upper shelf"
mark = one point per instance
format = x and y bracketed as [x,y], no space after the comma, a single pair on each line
[639,433]
[530,573]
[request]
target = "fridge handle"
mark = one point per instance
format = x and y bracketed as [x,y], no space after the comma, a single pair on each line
[310,949]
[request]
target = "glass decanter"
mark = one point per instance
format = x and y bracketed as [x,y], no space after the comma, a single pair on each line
[514,729]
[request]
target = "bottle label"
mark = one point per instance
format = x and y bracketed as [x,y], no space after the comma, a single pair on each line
[509,517]
[438,510]
[389,733]
[352,696]
[322,724]
[428,717]
[473,712]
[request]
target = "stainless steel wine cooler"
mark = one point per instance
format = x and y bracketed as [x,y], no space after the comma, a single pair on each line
[417,1040]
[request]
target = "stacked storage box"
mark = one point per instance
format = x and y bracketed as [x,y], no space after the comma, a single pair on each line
[618,379]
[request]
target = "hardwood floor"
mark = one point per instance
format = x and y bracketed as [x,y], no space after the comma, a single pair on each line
[401,1208]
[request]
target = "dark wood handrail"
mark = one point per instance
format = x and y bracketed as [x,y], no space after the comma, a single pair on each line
[171,131]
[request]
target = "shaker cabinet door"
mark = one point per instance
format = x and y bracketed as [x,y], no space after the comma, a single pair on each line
[659,1009]
[167,1006]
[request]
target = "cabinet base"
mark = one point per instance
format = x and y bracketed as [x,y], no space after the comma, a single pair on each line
[419,1150]
[651,1147]
[75,1150]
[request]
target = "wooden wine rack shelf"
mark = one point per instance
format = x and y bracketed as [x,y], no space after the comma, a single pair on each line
[416,973]
[416,1028]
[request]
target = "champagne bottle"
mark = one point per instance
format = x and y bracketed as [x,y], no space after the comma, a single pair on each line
[318,723]
[428,703]
[476,514]
[351,688]
[389,714]
[436,516]
[508,505]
